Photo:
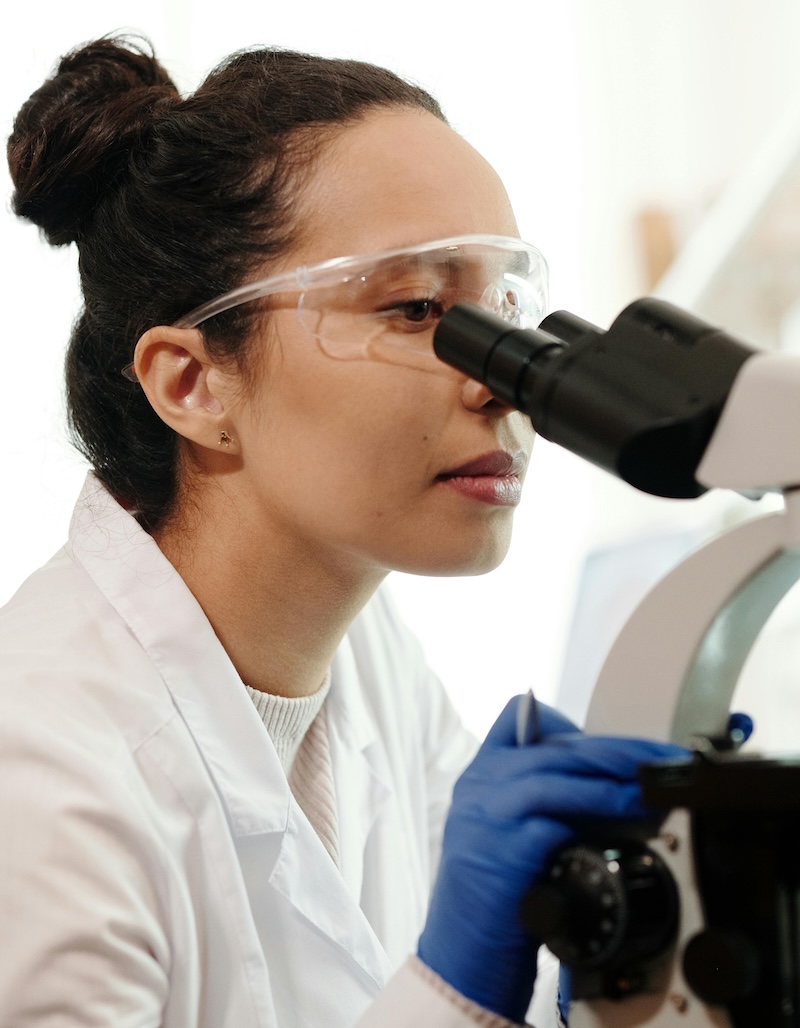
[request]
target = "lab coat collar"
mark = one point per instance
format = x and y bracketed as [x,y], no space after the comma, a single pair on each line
[148,593]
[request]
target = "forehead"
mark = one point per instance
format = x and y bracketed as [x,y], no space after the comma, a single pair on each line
[396,178]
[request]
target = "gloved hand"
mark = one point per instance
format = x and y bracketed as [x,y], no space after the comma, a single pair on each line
[512,808]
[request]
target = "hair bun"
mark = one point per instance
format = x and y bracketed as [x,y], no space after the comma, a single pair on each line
[72,139]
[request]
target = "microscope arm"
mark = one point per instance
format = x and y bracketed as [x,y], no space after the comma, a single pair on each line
[673,668]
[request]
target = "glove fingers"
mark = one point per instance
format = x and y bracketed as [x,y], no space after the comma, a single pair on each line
[573,753]
[571,775]
[564,798]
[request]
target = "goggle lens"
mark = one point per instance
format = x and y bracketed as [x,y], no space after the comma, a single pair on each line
[391,308]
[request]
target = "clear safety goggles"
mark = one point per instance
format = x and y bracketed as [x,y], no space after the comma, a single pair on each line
[385,306]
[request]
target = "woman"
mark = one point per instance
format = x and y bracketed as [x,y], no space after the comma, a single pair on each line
[226,768]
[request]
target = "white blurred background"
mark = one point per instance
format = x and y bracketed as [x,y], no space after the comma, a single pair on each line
[617,125]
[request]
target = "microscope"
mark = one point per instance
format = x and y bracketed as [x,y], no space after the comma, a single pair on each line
[692,919]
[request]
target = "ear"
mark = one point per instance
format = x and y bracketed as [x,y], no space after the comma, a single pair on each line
[186,389]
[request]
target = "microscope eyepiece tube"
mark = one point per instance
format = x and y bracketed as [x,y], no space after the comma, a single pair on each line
[492,351]
[640,400]
[567,327]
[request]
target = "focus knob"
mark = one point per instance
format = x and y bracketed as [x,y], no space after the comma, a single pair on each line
[602,906]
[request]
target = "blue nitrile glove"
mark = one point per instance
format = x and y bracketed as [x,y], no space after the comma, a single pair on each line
[564,991]
[512,807]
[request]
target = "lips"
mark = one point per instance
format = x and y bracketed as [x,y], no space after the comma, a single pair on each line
[497,464]
[491,479]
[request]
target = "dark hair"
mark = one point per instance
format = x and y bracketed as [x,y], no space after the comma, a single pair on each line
[171,201]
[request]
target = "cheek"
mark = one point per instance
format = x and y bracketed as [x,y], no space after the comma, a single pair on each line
[384,452]
[352,425]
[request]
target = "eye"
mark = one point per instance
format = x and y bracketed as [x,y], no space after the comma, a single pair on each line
[416,313]
[421,310]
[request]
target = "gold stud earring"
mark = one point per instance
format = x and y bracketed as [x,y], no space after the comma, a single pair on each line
[224,439]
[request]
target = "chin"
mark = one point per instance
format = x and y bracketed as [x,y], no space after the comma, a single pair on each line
[469,569]
[446,562]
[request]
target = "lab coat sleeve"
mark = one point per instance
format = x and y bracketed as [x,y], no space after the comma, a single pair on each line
[81,942]
[416,996]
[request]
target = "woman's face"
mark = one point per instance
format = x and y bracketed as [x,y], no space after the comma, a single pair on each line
[356,460]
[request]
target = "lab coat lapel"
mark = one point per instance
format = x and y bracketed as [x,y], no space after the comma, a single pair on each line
[327,896]
[380,862]
[304,913]
[362,787]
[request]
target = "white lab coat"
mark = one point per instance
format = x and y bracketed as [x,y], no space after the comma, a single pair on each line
[154,866]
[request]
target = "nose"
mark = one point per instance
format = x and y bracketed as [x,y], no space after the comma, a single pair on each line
[477,397]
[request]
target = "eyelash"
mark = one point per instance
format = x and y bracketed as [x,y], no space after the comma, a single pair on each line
[400,311]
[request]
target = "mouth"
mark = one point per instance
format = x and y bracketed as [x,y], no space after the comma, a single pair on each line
[497,464]
[491,478]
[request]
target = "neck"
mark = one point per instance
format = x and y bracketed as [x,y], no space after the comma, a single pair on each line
[279,606]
